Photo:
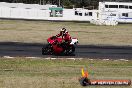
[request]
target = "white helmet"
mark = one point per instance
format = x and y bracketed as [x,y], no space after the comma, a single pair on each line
[63,31]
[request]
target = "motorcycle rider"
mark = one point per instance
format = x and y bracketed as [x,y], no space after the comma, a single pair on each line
[66,38]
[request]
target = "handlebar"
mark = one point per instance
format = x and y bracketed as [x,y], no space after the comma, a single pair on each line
[53,37]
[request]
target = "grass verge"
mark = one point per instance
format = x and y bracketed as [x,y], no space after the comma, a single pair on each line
[60,73]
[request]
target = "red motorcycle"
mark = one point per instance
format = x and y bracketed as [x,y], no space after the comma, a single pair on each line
[56,47]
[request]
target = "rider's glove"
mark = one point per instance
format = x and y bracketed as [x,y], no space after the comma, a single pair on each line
[63,41]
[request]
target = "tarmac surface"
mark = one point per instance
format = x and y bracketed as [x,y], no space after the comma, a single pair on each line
[17,49]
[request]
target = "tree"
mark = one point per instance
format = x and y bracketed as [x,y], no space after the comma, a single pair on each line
[66,3]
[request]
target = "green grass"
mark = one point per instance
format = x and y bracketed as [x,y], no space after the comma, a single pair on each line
[61,73]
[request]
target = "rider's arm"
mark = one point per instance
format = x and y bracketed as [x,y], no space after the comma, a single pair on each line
[67,38]
[58,35]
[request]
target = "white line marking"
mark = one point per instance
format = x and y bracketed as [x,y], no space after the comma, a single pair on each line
[106,59]
[49,58]
[123,60]
[70,58]
[8,57]
[31,57]
[90,59]
[126,60]
[53,58]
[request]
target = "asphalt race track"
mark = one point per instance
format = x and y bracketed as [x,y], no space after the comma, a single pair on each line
[82,51]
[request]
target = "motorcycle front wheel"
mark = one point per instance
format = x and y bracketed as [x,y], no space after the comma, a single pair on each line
[47,50]
[70,50]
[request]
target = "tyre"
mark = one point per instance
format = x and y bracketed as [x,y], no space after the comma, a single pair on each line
[44,52]
[70,50]
[47,50]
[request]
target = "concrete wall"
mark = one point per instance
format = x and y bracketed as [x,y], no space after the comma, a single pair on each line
[42,12]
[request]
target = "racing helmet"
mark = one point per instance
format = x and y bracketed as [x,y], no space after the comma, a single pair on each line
[63,31]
